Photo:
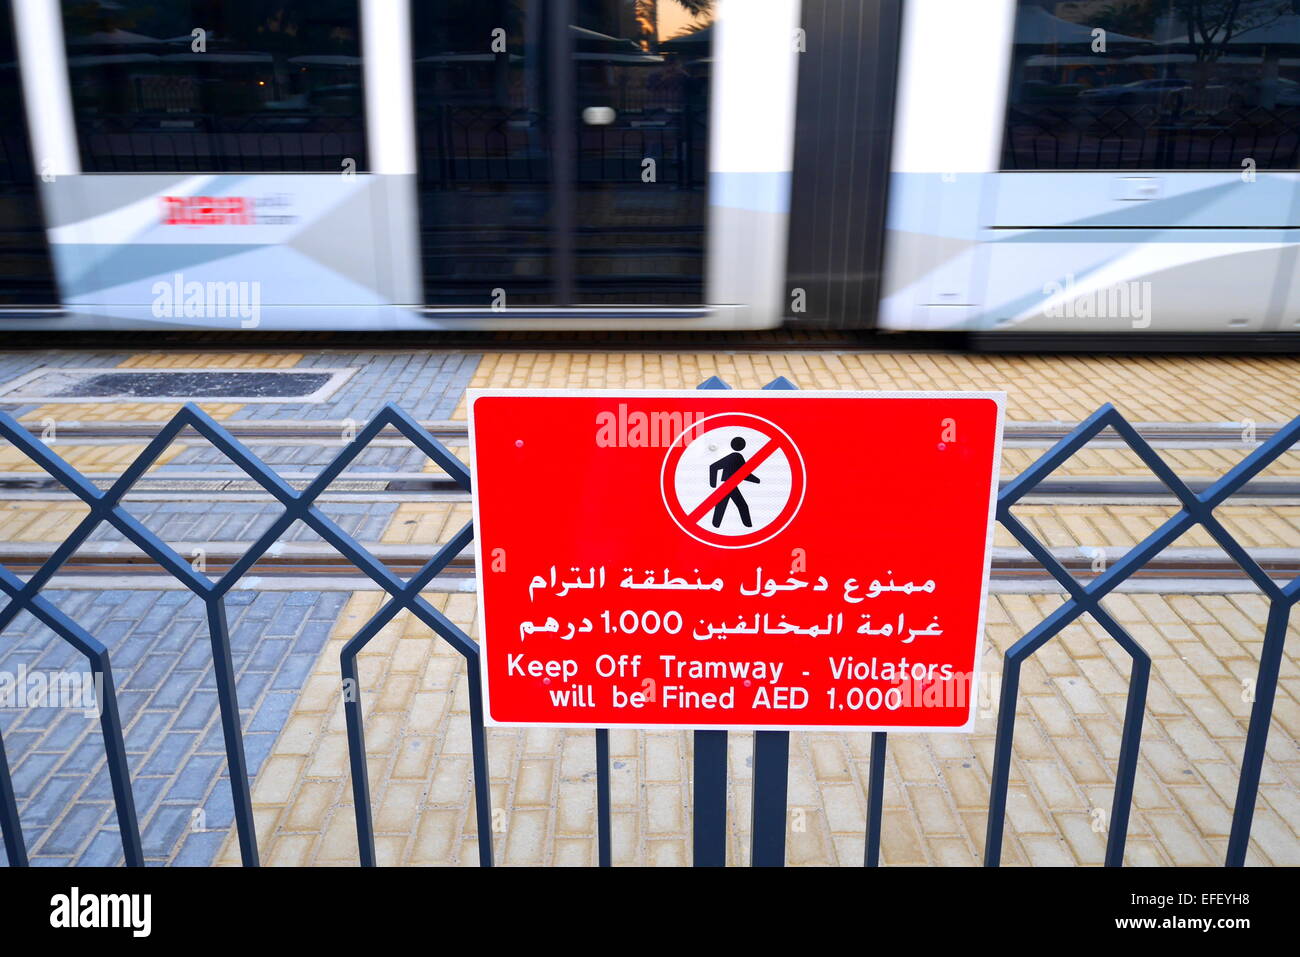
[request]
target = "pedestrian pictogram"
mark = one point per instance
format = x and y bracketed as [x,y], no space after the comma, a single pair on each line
[725,468]
[733,480]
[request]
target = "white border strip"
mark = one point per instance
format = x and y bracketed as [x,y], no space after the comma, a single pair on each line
[390,100]
[952,85]
[751,159]
[47,95]
[755,72]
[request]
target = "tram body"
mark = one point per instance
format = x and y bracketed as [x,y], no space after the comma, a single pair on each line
[1001,166]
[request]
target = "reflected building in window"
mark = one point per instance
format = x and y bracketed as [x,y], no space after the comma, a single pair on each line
[563,151]
[207,86]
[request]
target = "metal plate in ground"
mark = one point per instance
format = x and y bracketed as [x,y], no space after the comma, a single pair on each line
[177,385]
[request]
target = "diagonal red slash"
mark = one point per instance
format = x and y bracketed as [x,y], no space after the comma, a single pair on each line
[729,486]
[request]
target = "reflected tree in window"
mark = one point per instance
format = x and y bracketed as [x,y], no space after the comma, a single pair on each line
[1180,84]
[646,14]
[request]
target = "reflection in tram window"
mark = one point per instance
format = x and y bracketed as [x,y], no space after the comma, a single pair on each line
[642,76]
[1155,85]
[26,276]
[207,86]
[484,155]
[616,213]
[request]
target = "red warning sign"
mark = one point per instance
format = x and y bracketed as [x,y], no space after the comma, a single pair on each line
[739,560]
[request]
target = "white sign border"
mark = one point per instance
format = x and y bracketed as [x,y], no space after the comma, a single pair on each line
[998,398]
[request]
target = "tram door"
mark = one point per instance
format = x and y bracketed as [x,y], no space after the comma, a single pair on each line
[562,151]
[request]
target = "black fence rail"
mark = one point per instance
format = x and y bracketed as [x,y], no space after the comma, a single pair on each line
[771,748]
[267,142]
[1146,137]
[462,145]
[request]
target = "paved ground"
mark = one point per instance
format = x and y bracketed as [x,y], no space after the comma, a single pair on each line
[430,385]
[1204,389]
[427,384]
[543,781]
[286,646]
[158,645]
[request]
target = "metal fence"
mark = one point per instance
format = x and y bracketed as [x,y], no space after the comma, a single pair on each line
[266,142]
[464,146]
[771,748]
[1070,136]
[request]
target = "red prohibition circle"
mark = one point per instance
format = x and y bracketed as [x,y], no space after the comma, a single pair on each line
[776,436]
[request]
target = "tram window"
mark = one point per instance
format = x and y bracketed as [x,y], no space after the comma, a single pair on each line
[485,162]
[1154,85]
[210,86]
[548,182]
[26,274]
[641,178]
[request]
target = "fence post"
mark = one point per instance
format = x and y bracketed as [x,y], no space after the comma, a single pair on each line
[771,773]
[709,824]
[1261,714]
[119,772]
[478,743]
[237,761]
[10,825]
[604,850]
[875,799]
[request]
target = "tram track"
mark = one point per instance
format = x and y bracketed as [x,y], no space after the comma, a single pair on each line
[360,484]
[289,565]
[381,487]
[455,433]
[115,564]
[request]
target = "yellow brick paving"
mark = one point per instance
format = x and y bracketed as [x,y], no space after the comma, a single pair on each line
[57,412]
[1094,525]
[1070,715]
[162,411]
[1039,388]
[33,520]
[46,522]
[112,459]
[461,452]
[416,523]
[1057,526]
[1116,462]
[1072,701]
[212,360]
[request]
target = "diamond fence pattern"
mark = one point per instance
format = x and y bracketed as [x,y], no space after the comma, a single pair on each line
[771,747]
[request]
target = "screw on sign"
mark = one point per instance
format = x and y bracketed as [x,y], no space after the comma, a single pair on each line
[738,560]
